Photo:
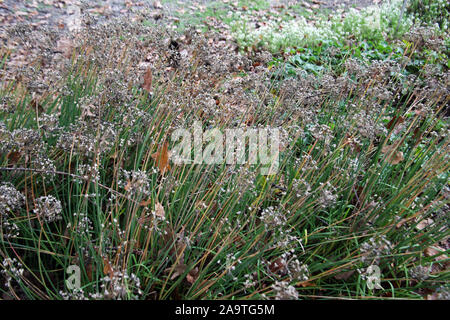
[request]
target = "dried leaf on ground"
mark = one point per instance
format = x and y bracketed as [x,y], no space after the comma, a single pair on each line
[162,158]
[424,223]
[177,271]
[393,156]
[107,269]
[145,203]
[192,276]
[147,86]
[394,122]
[159,210]
[307,284]
[14,157]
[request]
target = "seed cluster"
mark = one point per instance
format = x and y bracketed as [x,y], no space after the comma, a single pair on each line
[48,208]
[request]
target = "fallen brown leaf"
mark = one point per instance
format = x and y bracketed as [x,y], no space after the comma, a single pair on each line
[394,122]
[162,158]
[436,251]
[159,209]
[393,156]
[192,276]
[89,270]
[307,284]
[14,157]
[145,203]
[177,271]
[107,269]
[147,86]
[424,223]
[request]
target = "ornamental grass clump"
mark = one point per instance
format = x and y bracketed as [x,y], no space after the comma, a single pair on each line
[88,179]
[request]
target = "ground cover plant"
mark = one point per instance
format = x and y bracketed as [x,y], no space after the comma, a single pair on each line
[88,180]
